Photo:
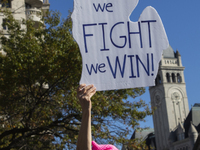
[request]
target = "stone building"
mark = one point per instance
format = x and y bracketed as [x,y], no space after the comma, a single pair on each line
[24,9]
[169,97]
[146,135]
[175,127]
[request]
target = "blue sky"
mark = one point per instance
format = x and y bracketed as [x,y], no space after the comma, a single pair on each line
[182,24]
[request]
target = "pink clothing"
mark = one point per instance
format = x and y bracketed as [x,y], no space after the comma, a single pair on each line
[95,146]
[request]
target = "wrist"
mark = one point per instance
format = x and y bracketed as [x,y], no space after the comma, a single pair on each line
[86,112]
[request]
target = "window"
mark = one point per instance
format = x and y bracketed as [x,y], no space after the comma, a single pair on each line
[159,79]
[5,27]
[168,77]
[181,136]
[27,5]
[156,81]
[179,79]
[6,3]
[173,78]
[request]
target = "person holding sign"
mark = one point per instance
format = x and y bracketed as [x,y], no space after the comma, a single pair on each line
[84,94]
[118,53]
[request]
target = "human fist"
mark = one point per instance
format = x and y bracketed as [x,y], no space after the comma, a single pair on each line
[84,94]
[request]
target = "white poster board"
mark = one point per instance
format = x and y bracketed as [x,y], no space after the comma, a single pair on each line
[116,52]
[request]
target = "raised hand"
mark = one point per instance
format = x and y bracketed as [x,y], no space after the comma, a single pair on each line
[84,94]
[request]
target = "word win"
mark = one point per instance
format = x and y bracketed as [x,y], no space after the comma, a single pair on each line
[121,66]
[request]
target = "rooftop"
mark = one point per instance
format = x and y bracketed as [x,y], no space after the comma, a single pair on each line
[169,53]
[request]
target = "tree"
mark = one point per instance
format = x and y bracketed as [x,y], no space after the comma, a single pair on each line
[38,81]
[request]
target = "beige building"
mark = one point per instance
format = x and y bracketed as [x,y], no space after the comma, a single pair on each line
[23,9]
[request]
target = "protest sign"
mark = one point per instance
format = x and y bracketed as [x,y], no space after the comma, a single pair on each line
[116,52]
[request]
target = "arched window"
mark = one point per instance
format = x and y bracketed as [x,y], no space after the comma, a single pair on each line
[179,137]
[173,78]
[156,81]
[179,79]
[168,77]
[183,136]
[159,79]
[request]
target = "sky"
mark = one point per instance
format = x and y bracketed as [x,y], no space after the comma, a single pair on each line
[181,19]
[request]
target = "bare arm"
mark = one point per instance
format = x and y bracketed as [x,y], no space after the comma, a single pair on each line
[84,94]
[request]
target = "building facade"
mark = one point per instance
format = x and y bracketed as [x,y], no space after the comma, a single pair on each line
[23,9]
[175,127]
[169,97]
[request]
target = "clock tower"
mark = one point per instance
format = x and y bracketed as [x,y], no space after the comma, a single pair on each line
[168,97]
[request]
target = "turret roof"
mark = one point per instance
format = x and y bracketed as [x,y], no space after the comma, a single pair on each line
[168,53]
[142,133]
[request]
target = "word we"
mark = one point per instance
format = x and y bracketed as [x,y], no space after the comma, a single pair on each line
[105,6]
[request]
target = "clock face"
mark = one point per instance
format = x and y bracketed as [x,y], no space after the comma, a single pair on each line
[175,96]
[157,100]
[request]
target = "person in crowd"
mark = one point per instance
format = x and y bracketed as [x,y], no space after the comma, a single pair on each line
[84,94]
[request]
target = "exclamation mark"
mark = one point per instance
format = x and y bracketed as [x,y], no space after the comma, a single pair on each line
[152,63]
